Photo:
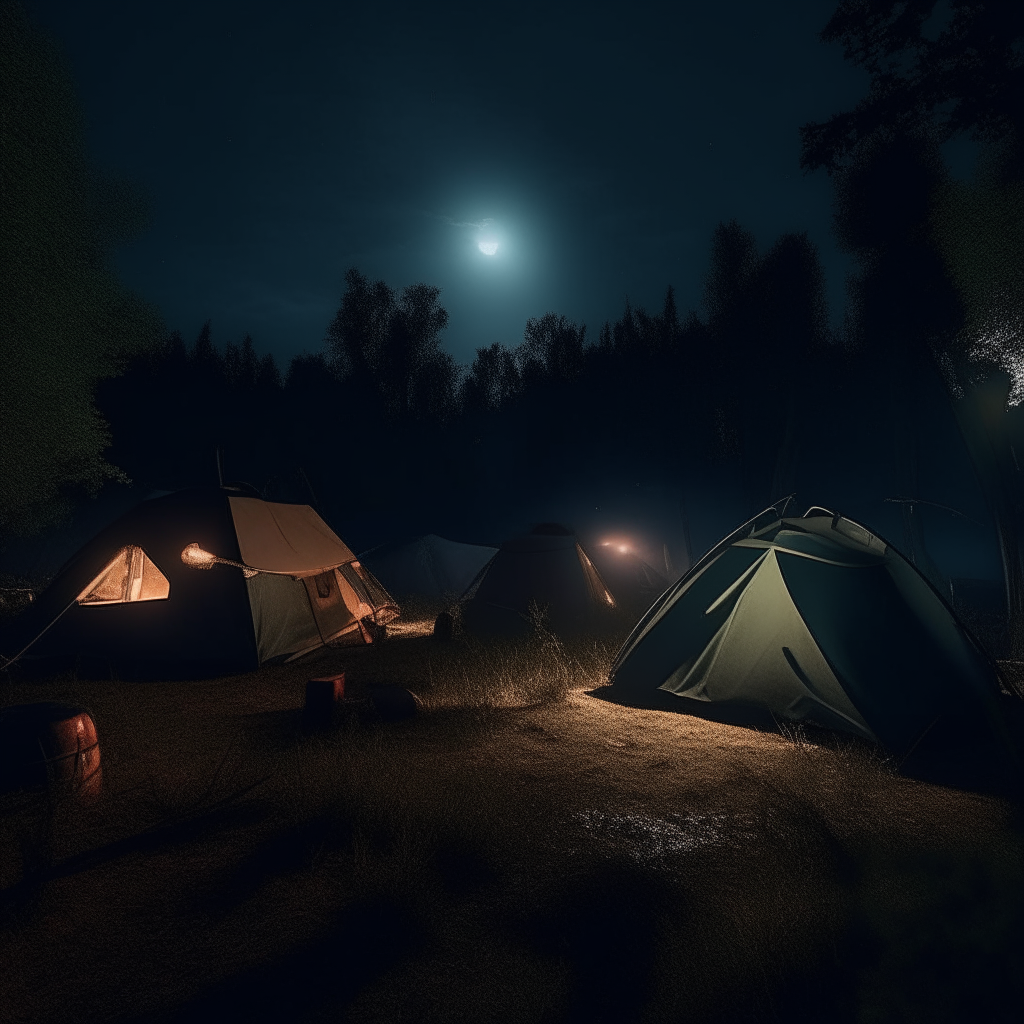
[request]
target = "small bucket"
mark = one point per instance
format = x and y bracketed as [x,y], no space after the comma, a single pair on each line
[53,745]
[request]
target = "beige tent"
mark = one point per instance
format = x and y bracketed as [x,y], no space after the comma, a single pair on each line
[203,582]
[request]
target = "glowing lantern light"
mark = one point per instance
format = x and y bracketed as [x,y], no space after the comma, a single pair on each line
[196,558]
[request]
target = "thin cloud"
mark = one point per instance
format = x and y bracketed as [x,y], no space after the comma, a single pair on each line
[477,225]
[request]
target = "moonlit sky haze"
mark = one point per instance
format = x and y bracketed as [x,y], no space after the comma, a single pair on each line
[599,144]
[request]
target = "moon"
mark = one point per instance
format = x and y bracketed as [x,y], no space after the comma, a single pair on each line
[487,248]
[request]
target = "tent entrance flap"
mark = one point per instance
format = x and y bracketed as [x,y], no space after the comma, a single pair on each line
[765,653]
[332,613]
[281,616]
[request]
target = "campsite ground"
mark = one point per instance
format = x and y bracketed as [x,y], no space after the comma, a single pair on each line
[520,851]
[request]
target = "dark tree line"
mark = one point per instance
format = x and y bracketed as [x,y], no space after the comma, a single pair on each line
[383,425]
[66,322]
[383,432]
[939,288]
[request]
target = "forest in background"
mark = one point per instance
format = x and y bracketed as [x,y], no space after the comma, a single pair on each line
[753,395]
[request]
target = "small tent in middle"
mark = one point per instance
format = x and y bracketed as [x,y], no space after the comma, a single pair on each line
[546,571]
[428,566]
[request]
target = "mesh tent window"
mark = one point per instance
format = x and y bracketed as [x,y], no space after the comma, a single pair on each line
[129,576]
[383,609]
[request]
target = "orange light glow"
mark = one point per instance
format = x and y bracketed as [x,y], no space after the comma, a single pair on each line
[196,558]
[129,576]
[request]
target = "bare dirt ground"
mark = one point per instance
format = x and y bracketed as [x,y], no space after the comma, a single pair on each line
[520,851]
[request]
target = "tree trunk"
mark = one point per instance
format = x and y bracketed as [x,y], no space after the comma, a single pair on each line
[986,427]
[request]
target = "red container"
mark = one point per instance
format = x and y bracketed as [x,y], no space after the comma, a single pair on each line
[50,744]
[323,693]
[73,750]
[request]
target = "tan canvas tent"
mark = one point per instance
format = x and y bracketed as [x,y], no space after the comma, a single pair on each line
[814,618]
[202,582]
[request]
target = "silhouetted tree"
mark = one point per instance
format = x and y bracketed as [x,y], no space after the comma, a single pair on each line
[932,81]
[669,320]
[492,380]
[240,364]
[65,320]
[552,348]
[390,345]
[965,78]
[730,300]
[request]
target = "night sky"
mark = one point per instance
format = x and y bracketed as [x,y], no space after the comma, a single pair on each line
[599,144]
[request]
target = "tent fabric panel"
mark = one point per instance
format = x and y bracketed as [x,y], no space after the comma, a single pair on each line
[373,600]
[890,666]
[550,575]
[431,566]
[330,610]
[676,635]
[282,618]
[203,627]
[842,531]
[765,654]
[289,539]
[634,584]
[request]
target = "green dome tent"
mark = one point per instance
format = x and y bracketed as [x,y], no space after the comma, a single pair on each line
[816,619]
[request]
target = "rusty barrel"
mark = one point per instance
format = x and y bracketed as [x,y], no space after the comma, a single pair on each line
[50,744]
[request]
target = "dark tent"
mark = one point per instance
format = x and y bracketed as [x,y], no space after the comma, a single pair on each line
[547,570]
[202,582]
[428,566]
[815,618]
[634,583]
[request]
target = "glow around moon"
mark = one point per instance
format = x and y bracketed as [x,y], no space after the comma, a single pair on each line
[488,248]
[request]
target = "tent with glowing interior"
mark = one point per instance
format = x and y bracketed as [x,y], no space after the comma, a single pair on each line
[202,582]
[817,619]
[549,570]
[428,566]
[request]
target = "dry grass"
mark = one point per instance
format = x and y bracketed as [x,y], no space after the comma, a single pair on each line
[521,851]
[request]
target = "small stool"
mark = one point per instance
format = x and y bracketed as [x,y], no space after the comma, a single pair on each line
[322,696]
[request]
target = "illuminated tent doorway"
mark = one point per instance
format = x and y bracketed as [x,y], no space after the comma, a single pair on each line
[816,619]
[547,569]
[428,566]
[203,582]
